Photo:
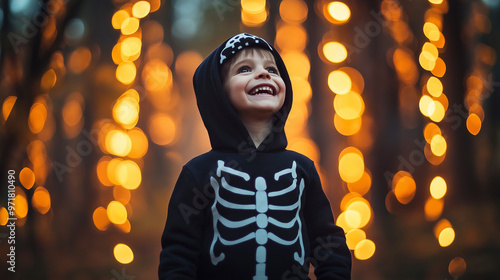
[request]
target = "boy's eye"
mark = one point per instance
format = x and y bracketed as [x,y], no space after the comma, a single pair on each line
[244,69]
[272,70]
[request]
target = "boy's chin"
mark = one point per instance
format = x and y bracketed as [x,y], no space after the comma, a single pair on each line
[264,102]
[270,108]
[259,113]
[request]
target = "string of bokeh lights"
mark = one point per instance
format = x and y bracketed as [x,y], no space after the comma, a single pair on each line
[433,104]
[479,83]
[351,121]
[123,143]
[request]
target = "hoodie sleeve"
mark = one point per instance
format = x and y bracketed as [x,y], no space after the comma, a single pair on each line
[181,239]
[332,258]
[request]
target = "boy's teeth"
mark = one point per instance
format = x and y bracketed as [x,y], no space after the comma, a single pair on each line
[262,90]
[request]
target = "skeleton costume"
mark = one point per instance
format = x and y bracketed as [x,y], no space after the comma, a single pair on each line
[239,212]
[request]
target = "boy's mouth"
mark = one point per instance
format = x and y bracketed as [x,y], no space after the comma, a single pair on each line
[263,90]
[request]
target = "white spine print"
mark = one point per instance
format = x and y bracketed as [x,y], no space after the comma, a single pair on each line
[261,206]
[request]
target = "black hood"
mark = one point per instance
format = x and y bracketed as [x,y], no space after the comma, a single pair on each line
[227,132]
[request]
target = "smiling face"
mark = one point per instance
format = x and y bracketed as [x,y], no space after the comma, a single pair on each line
[253,84]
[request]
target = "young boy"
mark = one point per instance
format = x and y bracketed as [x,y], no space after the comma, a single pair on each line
[249,208]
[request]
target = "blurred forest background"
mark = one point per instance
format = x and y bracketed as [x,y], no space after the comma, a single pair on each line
[394,101]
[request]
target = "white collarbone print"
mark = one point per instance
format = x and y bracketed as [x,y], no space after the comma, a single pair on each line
[261,207]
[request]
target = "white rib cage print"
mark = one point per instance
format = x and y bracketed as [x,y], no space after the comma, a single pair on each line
[261,235]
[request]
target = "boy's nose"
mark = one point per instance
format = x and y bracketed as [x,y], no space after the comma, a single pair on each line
[263,74]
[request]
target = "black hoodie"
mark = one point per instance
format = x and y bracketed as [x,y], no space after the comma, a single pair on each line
[239,212]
